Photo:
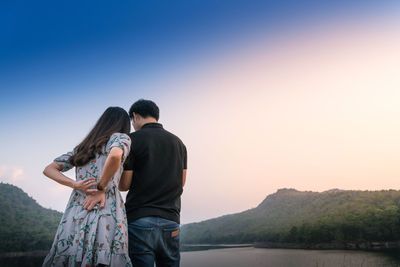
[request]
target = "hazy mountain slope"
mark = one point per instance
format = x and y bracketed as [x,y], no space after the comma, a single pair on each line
[24,224]
[332,211]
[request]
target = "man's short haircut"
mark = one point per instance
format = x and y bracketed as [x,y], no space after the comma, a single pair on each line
[145,108]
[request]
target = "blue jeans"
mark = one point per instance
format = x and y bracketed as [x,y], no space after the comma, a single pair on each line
[154,240]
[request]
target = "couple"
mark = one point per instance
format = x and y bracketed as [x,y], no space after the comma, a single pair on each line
[96,228]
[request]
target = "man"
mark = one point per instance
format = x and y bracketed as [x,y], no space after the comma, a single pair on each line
[154,173]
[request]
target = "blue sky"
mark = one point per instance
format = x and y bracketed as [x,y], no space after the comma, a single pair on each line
[52,52]
[63,63]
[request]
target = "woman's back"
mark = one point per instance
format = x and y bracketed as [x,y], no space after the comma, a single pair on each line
[99,236]
[95,166]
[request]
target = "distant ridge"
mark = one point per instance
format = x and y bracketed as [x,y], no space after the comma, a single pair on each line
[335,190]
[295,216]
[24,224]
[288,215]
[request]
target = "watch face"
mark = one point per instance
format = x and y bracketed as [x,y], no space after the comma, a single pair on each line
[99,187]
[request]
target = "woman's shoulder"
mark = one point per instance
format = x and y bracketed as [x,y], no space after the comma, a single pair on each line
[120,136]
[120,140]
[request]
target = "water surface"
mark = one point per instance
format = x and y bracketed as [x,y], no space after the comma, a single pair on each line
[253,257]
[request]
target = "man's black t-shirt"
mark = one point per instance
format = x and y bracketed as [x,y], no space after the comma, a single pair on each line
[157,159]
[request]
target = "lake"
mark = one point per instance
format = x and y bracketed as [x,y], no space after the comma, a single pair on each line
[245,257]
[254,257]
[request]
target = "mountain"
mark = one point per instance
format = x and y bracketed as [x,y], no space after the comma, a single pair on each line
[285,216]
[24,224]
[294,216]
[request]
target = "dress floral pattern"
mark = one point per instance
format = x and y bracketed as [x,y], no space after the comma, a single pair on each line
[88,238]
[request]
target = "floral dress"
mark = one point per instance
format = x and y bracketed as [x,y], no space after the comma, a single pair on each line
[88,238]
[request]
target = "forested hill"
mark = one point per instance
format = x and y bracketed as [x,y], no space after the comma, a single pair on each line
[24,224]
[306,217]
[286,216]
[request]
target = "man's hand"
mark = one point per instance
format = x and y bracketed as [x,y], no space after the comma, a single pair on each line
[91,200]
[84,185]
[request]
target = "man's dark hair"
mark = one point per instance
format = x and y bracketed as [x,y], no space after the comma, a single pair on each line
[145,108]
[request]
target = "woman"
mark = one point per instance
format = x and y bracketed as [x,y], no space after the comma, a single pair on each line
[98,237]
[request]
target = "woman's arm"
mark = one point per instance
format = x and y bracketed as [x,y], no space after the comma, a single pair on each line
[111,166]
[53,171]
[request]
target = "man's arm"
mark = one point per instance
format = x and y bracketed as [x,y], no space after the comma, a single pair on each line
[184,178]
[184,165]
[127,174]
[126,180]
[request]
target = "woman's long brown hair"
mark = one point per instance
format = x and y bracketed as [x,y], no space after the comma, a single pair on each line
[113,120]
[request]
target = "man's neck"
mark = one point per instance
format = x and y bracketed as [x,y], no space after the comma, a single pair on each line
[148,120]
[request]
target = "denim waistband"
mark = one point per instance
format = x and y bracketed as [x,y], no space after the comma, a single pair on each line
[156,221]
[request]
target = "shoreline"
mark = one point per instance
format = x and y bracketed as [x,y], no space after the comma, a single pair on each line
[357,246]
[364,246]
[360,246]
[200,247]
[34,253]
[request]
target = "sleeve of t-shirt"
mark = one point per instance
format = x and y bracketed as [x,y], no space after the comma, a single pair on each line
[184,157]
[122,141]
[63,161]
[128,165]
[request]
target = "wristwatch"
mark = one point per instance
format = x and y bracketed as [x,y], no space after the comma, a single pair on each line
[99,187]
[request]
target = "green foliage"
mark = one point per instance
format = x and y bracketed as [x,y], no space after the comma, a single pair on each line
[286,216]
[24,224]
[306,217]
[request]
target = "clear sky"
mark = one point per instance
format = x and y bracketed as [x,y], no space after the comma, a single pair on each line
[265,94]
